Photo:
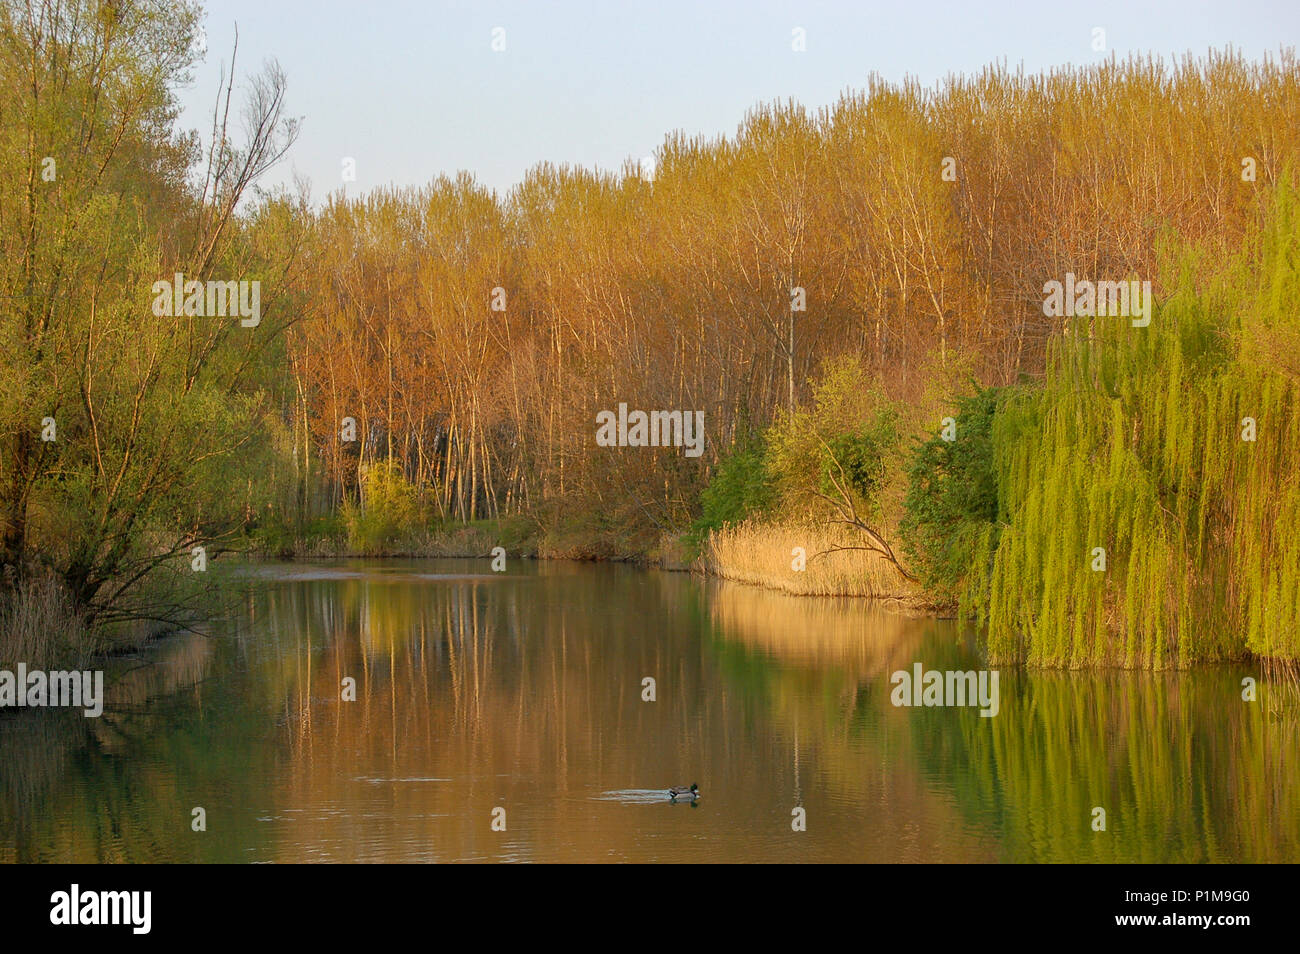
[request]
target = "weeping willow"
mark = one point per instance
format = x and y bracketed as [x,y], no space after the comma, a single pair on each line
[1171,451]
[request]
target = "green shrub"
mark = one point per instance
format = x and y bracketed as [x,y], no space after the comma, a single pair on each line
[389,511]
[857,461]
[845,439]
[952,498]
[741,487]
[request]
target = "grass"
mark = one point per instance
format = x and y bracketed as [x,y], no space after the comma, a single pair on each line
[762,554]
[40,627]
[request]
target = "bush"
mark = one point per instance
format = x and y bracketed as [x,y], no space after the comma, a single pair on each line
[741,487]
[388,513]
[845,438]
[856,461]
[952,498]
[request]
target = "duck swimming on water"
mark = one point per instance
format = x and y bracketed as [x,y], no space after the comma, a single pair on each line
[692,793]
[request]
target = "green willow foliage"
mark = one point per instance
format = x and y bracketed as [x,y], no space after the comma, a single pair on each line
[1136,444]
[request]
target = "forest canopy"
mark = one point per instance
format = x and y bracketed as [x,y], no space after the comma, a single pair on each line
[824,286]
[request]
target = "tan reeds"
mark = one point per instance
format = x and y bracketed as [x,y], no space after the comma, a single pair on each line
[763,554]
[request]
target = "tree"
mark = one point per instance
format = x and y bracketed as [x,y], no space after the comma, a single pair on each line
[152,413]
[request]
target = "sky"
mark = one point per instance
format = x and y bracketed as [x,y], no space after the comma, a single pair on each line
[410,90]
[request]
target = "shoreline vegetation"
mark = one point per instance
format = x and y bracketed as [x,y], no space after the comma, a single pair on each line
[751,552]
[861,306]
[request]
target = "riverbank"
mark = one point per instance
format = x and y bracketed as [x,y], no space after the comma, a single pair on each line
[801,558]
[43,629]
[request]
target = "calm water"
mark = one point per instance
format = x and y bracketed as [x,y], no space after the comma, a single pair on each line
[523,691]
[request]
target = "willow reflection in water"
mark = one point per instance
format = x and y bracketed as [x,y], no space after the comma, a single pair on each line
[477,691]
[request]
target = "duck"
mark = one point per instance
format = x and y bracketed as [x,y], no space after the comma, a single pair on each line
[683,792]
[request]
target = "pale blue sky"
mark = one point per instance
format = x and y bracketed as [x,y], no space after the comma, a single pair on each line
[414,89]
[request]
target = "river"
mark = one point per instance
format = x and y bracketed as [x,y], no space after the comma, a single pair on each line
[504,717]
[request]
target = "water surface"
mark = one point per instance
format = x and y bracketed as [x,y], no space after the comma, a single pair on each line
[524,691]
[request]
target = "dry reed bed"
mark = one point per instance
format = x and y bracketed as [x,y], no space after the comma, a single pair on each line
[39,627]
[763,555]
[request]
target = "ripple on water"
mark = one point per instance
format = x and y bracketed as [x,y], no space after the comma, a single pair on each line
[635,796]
